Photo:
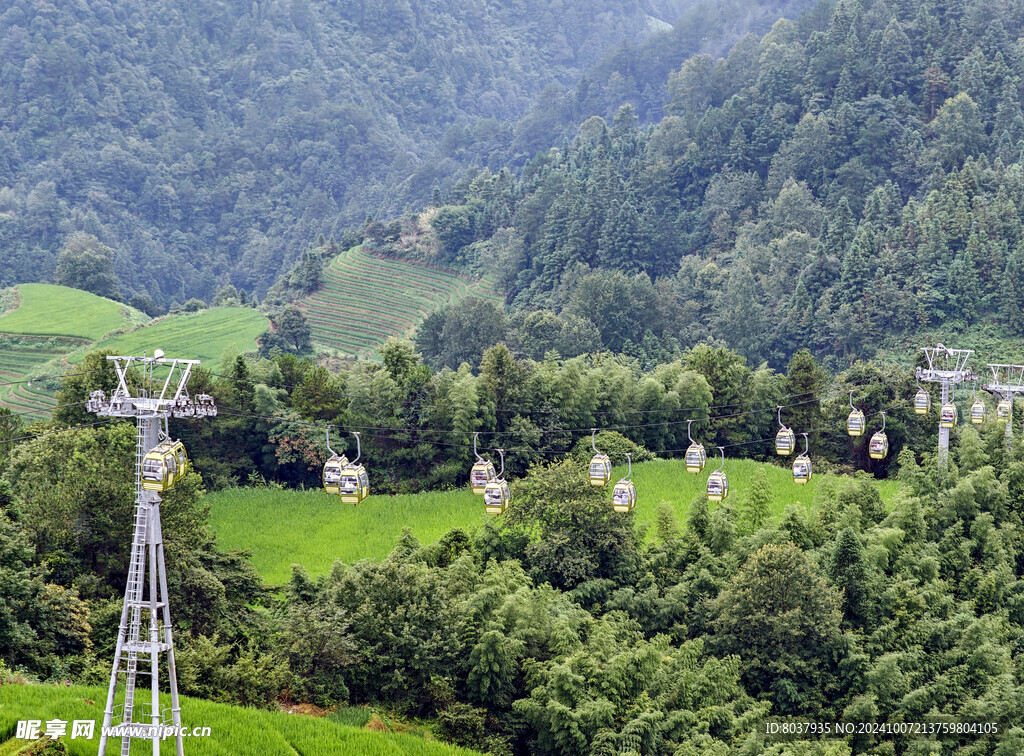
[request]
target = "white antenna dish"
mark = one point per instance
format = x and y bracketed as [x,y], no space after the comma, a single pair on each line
[158,354]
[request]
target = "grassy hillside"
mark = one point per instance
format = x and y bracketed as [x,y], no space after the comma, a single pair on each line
[201,335]
[314,529]
[48,327]
[365,299]
[48,310]
[235,731]
[43,325]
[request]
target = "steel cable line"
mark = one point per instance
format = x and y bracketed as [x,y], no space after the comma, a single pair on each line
[48,377]
[388,434]
[30,436]
[236,412]
[531,408]
[37,412]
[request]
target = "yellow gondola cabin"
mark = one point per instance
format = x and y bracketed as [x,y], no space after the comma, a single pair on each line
[802,465]
[978,411]
[624,493]
[497,494]
[695,457]
[718,486]
[354,484]
[1003,410]
[878,446]
[331,475]
[164,466]
[624,496]
[801,469]
[600,470]
[482,472]
[948,416]
[718,482]
[496,497]
[785,440]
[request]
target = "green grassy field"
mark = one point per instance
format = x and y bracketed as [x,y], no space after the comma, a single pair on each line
[234,731]
[201,335]
[47,323]
[365,299]
[314,529]
[48,310]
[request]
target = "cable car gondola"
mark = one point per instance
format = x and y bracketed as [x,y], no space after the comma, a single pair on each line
[600,465]
[624,493]
[802,464]
[332,468]
[948,416]
[1003,410]
[164,465]
[354,483]
[718,482]
[482,472]
[878,446]
[497,494]
[696,457]
[978,409]
[855,422]
[922,401]
[785,441]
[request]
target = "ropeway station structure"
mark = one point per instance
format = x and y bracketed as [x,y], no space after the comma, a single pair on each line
[947,367]
[151,390]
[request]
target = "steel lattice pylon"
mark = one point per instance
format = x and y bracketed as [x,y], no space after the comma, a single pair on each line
[144,393]
[1007,382]
[947,367]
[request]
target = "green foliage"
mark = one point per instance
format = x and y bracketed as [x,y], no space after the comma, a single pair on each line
[293,329]
[575,535]
[438,86]
[781,618]
[460,333]
[85,263]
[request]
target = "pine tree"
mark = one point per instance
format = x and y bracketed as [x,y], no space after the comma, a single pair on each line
[858,265]
[698,517]
[848,571]
[759,502]
[1011,293]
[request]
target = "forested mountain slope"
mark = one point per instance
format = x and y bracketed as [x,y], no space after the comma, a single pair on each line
[848,176]
[205,140]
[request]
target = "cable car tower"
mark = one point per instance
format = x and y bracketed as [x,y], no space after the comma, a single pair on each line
[1007,380]
[161,392]
[947,367]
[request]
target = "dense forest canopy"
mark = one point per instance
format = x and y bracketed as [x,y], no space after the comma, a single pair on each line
[849,176]
[209,143]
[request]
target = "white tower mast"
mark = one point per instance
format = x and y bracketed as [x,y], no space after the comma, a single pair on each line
[153,401]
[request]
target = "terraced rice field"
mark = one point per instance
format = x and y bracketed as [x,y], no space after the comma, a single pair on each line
[45,325]
[51,327]
[204,335]
[365,299]
[24,357]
